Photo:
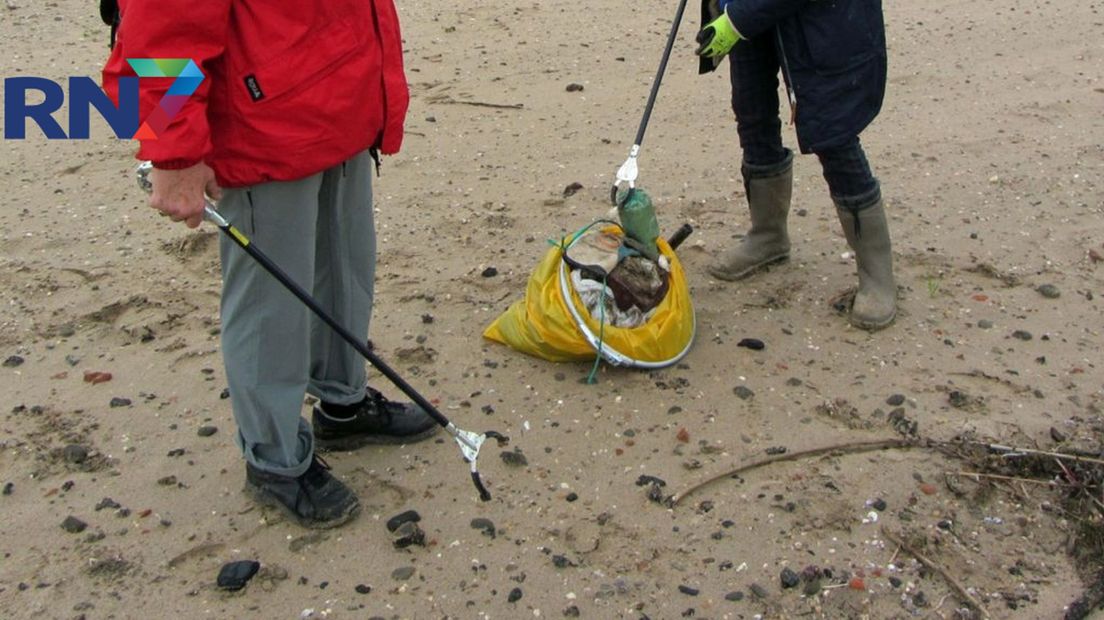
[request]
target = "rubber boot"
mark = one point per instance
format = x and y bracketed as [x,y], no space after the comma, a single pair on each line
[867,233]
[768,194]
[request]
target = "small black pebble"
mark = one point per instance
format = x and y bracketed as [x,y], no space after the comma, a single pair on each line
[743,392]
[107,503]
[789,578]
[879,504]
[234,575]
[224,394]
[9,488]
[574,87]
[776,450]
[514,596]
[896,400]
[395,522]
[13,361]
[1021,334]
[572,496]
[427,319]
[489,272]
[758,590]
[688,590]
[363,589]
[206,431]
[736,596]
[571,612]
[645,480]
[120,402]
[752,343]
[895,582]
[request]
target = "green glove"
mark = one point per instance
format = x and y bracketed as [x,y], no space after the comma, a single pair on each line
[717,38]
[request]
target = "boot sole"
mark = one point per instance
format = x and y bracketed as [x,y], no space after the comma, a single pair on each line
[264,499]
[352,442]
[720,274]
[870,326]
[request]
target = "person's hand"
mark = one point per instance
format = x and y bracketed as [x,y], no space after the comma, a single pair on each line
[717,38]
[179,194]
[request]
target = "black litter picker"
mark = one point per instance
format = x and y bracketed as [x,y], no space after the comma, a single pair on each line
[469,442]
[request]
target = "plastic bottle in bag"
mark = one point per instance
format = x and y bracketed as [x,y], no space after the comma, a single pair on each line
[638,218]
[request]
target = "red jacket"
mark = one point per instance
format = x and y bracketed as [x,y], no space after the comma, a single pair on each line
[292,88]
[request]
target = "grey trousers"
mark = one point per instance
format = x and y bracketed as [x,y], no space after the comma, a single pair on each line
[321,232]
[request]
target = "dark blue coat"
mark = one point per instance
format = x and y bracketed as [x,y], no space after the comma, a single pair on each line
[833,55]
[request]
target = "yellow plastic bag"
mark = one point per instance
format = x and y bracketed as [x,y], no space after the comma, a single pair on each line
[543,325]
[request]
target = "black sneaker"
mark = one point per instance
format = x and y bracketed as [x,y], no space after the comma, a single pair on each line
[373,420]
[315,499]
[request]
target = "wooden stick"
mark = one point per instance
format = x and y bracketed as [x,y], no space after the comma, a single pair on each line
[1058,455]
[977,474]
[932,566]
[482,104]
[847,448]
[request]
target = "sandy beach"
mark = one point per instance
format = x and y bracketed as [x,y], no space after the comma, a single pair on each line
[990,152]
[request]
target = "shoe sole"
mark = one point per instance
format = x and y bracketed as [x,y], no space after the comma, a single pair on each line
[720,274]
[352,442]
[264,499]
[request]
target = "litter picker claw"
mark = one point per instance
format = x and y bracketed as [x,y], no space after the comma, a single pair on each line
[469,442]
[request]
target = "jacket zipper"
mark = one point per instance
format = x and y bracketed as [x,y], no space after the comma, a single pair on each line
[786,75]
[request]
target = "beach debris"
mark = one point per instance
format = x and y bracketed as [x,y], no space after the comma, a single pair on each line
[234,576]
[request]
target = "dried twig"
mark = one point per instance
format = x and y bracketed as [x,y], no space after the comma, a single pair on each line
[1058,455]
[932,566]
[481,104]
[847,448]
[977,474]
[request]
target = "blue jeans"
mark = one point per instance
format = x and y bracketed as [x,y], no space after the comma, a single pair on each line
[754,66]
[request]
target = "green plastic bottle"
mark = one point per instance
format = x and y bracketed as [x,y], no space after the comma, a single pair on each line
[638,218]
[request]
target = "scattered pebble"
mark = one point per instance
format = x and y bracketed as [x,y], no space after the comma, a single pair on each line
[96,377]
[119,401]
[571,611]
[9,488]
[879,504]
[776,450]
[743,392]
[735,597]
[758,590]
[363,589]
[572,496]
[514,458]
[1021,334]
[752,343]
[409,534]
[234,576]
[75,453]
[514,595]
[485,525]
[13,361]
[985,324]
[789,578]
[572,189]
[402,573]
[688,590]
[928,488]
[574,87]
[856,583]
[167,481]
[896,400]
[645,480]
[73,525]
[489,272]
[1049,291]
[410,516]
[207,430]
[895,582]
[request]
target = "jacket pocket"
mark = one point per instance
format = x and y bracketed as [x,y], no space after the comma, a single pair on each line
[840,34]
[305,63]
